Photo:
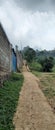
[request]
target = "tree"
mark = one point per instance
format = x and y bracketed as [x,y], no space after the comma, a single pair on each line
[29,54]
[47,64]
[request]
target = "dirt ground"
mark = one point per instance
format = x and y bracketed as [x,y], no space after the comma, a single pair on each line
[33,111]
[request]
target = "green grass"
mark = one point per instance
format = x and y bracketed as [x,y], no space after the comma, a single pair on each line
[9,95]
[53,69]
[47,85]
[35,66]
[36,73]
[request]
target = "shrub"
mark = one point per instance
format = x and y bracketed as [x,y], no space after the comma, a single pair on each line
[35,66]
[47,64]
[29,54]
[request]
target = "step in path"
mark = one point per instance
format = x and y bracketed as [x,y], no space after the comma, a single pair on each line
[33,111]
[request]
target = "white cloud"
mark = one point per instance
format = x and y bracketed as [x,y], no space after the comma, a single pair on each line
[26,28]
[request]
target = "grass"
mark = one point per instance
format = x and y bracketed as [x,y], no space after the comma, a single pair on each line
[53,69]
[35,66]
[47,85]
[9,95]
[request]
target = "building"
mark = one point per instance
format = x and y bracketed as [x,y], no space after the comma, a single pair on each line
[5,52]
[19,59]
[10,60]
[14,61]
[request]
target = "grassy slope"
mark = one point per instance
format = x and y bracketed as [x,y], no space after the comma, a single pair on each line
[47,85]
[9,95]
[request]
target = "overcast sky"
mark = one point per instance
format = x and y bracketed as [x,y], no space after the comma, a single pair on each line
[29,22]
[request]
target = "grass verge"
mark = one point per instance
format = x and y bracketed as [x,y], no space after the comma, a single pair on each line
[9,95]
[47,85]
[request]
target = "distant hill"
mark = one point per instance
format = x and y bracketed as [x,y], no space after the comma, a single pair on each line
[45,53]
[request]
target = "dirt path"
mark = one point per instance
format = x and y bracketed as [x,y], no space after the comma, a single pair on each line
[33,111]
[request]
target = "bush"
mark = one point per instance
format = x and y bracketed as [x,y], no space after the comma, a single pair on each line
[35,66]
[29,54]
[47,64]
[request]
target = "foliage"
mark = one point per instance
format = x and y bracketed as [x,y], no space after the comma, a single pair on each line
[45,53]
[41,55]
[29,54]
[35,66]
[39,60]
[53,68]
[47,64]
[9,95]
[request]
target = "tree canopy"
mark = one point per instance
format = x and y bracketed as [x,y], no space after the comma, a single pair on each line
[47,64]
[29,54]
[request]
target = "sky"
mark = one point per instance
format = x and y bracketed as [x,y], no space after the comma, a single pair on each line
[29,22]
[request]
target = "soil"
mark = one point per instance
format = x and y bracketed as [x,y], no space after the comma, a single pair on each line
[33,111]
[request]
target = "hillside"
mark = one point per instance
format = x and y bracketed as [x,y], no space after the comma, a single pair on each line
[45,53]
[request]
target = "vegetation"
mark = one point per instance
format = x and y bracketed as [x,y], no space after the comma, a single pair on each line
[47,85]
[53,69]
[47,64]
[35,66]
[29,54]
[39,60]
[9,95]
[45,53]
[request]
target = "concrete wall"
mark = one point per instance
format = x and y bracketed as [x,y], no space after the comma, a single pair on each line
[5,52]
[19,59]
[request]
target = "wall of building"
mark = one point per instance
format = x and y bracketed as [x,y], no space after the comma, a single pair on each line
[14,61]
[10,60]
[19,59]
[5,52]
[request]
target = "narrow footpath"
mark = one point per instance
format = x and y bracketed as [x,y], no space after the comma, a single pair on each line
[33,111]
